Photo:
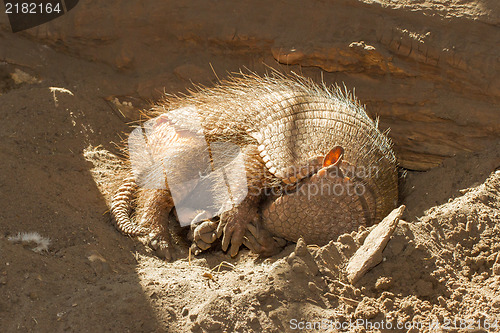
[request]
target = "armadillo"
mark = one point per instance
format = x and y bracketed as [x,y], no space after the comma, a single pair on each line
[315,165]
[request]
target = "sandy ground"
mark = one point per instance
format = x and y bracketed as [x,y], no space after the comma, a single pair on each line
[442,264]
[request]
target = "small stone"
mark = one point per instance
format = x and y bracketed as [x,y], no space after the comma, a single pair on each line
[469,226]
[347,240]
[370,253]
[496,302]
[484,198]
[383,283]
[185,311]
[360,238]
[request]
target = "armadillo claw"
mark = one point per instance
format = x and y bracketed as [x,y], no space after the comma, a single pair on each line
[195,250]
[250,242]
[254,231]
[235,248]
[203,245]
[220,229]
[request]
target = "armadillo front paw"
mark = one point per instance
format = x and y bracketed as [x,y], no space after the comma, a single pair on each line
[234,231]
[235,222]
[204,234]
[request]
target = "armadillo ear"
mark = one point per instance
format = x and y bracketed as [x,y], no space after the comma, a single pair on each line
[333,157]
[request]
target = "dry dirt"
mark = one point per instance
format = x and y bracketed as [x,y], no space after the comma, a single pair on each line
[441,265]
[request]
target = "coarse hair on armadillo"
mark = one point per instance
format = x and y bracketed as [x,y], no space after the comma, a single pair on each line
[229,110]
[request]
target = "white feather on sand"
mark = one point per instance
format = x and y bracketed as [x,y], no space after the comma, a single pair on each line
[32,237]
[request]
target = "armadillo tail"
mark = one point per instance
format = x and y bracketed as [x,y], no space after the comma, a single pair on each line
[120,209]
